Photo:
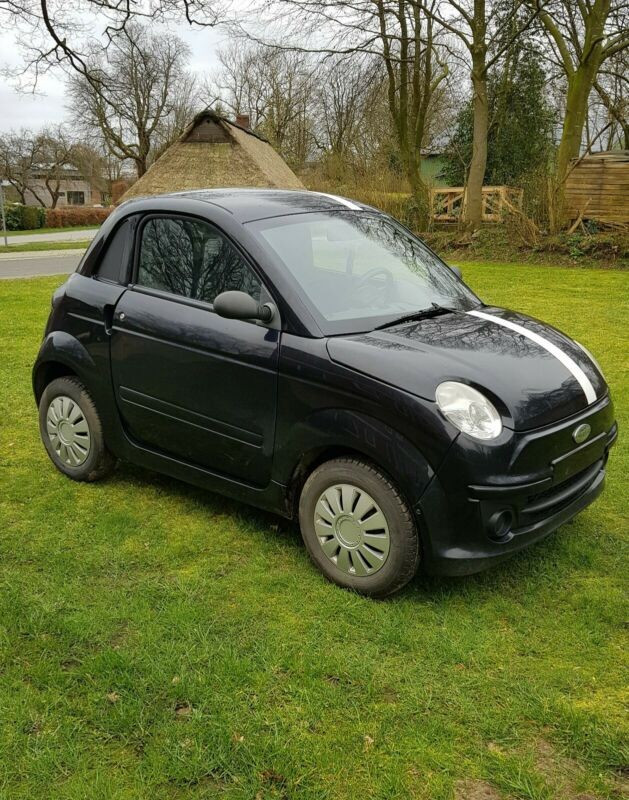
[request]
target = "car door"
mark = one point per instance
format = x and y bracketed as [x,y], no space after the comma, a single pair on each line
[189,383]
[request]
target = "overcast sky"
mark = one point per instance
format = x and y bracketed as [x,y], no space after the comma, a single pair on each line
[18,109]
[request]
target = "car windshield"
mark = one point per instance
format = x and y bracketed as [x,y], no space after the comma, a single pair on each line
[358,270]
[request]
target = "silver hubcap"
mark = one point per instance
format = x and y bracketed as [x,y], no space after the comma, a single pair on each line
[352,530]
[68,431]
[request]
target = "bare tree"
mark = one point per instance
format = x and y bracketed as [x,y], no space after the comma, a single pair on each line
[341,103]
[20,157]
[57,153]
[92,165]
[611,87]
[583,35]
[402,36]
[275,88]
[240,84]
[352,125]
[137,94]
[374,141]
[37,164]
[57,32]
[415,68]
[185,103]
[477,25]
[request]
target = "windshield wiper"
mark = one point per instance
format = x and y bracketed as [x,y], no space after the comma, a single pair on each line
[433,311]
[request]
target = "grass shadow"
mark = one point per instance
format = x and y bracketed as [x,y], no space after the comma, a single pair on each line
[214,502]
[524,572]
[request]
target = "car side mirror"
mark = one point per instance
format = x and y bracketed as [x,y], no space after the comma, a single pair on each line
[456,270]
[240,305]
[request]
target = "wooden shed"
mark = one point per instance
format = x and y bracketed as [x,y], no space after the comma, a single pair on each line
[597,187]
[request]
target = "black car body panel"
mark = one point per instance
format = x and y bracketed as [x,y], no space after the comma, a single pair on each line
[459,346]
[166,365]
[247,409]
[541,478]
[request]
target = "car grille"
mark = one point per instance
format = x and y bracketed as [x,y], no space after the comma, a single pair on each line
[549,502]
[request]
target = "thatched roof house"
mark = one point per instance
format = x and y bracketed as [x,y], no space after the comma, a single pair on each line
[598,187]
[211,153]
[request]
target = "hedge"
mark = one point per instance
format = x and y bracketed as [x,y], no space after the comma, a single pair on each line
[24,218]
[33,217]
[69,217]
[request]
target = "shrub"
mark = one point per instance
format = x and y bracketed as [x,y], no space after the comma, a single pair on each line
[33,217]
[13,216]
[72,216]
[610,246]
[24,218]
[396,204]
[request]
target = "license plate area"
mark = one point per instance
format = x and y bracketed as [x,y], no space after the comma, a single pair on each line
[578,459]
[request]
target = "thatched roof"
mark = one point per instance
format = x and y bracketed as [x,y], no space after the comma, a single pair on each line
[211,153]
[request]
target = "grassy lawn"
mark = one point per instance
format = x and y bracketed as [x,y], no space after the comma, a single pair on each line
[161,642]
[35,247]
[53,230]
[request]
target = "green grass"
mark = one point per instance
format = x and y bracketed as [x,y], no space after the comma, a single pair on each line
[52,230]
[160,642]
[36,247]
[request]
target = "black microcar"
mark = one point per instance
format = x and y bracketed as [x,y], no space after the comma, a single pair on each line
[307,354]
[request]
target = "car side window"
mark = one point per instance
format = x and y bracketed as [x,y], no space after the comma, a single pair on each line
[112,263]
[189,257]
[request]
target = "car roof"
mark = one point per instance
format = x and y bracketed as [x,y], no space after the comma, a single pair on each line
[247,205]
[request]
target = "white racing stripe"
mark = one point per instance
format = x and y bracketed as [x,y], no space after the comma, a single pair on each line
[569,363]
[341,200]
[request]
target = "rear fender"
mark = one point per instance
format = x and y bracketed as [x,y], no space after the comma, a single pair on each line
[61,353]
[65,350]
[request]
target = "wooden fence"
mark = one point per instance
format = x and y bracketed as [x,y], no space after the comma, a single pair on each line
[447,203]
[597,188]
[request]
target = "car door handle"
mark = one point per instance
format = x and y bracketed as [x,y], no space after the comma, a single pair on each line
[108,317]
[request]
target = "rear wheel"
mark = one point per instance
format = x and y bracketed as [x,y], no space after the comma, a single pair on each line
[358,528]
[71,431]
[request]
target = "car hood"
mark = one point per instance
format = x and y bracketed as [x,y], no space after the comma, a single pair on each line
[534,374]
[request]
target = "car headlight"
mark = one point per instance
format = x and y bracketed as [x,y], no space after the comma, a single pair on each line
[590,356]
[468,410]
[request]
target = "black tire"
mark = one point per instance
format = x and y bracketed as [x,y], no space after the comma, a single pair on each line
[403,556]
[99,461]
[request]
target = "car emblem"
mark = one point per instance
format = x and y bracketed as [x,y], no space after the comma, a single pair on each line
[581,433]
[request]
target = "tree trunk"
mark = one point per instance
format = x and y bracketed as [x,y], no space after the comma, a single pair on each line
[419,190]
[413,171]
[579,87]
[478,164]
[140,165]
[54,194]
[580,83]
[36,196]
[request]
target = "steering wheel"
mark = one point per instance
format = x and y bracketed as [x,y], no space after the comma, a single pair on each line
[365,280]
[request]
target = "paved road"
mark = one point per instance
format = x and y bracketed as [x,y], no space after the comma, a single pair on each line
[30,265]
[65,236]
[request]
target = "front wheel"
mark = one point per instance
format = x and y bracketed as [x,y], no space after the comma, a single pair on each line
[358,528]
[71,431]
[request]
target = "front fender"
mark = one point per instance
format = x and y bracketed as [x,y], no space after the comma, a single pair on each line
[337,430]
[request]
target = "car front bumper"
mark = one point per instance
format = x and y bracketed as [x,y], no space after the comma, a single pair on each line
[484,505]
